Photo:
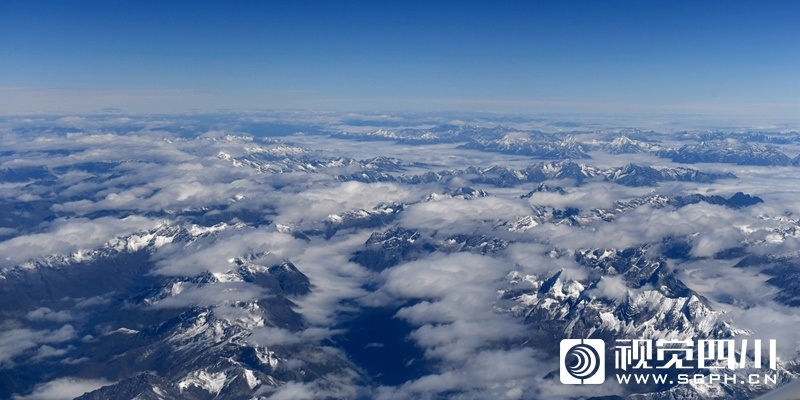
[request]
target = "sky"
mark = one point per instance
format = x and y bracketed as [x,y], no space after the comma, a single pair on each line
[639,57]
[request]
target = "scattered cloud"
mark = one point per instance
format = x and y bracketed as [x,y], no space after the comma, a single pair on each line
[275,336]
[46,314]
[222,293]
[611,287]
[64,389]
[17,341]
[101,178]
[69,235]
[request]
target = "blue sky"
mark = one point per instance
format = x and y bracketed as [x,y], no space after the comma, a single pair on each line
[723,57]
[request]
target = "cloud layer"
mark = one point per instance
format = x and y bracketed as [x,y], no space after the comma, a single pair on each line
[204,198]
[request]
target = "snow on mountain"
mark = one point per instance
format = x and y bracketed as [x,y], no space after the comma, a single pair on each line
[627,295]
[280,151]
[465,193]
[481,264]
[566,148]
[625,145]
[193,331]
[499,176]
[727,151]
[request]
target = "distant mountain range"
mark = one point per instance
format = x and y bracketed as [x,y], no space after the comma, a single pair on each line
[222,257]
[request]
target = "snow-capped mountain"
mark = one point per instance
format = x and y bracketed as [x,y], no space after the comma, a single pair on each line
[166,337]
[727,152]
[425,257]
[625,145]
[499,176]
[566,148]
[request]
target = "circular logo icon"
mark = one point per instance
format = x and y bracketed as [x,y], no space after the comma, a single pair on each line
[582,361]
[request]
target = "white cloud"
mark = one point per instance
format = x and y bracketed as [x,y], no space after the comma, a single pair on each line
[275,336]
[46,351]
[646,224]
[437,275]
[64,389]
[66,236]
[449,299]
[712,241]
[611,287]
[339,385]
[336,197]
[46,314]
[17,341]
[534,258]
[450,216]
[216,294]
[497,374]
[590,196]
[333,277]
[214,253]
[459,328]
